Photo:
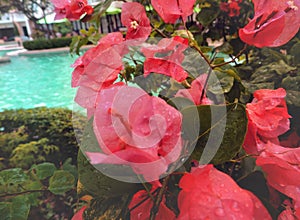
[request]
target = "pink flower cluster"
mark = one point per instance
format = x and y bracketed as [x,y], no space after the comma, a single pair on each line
[274,23]
[144,132]
[268,118]
[71,9]
[132,128]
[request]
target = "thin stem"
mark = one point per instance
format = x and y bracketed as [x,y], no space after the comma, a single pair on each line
[205,85]
[158,31]
[21,193]
[232,60]
[240,159]
[159,198]
[143,200]
[193,45]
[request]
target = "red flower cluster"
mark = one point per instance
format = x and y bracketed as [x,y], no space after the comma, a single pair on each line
[231,7]
[274,23]
[170,11]
[136,129]
[71,9]
[267,119]
[166,58]
[282,167]
[210,194]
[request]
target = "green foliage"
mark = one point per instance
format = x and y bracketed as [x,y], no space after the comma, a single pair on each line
[43,170]
[64,28]
[86,37]
[295,52]
[99,10]
[55,124]
[215,131]
[40,44]
[24,191]
[15,209]
[209,12]
[25,155]
[61,182]
[9,141]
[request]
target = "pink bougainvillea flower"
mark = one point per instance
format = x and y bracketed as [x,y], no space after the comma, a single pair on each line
[100,64]
[282,168]
[141,210]
[274,23]
[267,119]
[210,194]
[144,132]
[98,68]
[79,215]
[71,9]
[170,11]
[194,93]
[134,17]
[166,58]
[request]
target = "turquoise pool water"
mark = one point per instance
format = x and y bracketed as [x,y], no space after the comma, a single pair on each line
[34,81]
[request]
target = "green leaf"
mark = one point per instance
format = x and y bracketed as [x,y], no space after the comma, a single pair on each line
[61,182]
[207,15]
[5,208]
[218,130]
[295,51]
[15,209]
[220,84]
[11,180]
[292,98]
[43,170]
[68,166]
[272,55]
[291,83]
[180,103]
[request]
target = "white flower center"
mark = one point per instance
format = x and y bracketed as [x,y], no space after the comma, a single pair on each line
[134,24]
[292,5]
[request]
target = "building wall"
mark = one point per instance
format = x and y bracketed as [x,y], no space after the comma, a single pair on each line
[10,22]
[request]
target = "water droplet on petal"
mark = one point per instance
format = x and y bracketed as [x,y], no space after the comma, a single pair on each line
[235,207]
[219,212]
[257,205]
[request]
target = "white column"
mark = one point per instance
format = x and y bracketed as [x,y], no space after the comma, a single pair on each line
[28,27]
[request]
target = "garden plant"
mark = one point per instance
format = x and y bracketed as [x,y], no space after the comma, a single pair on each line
[186,110]
[192,110]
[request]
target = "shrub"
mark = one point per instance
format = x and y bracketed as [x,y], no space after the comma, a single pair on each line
[40,44]
[55,124]
[25,155]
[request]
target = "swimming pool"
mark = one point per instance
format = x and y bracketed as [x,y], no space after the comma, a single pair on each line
[34,81]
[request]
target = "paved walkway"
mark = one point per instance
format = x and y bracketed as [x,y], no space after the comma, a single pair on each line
[53,50]
[20,51]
